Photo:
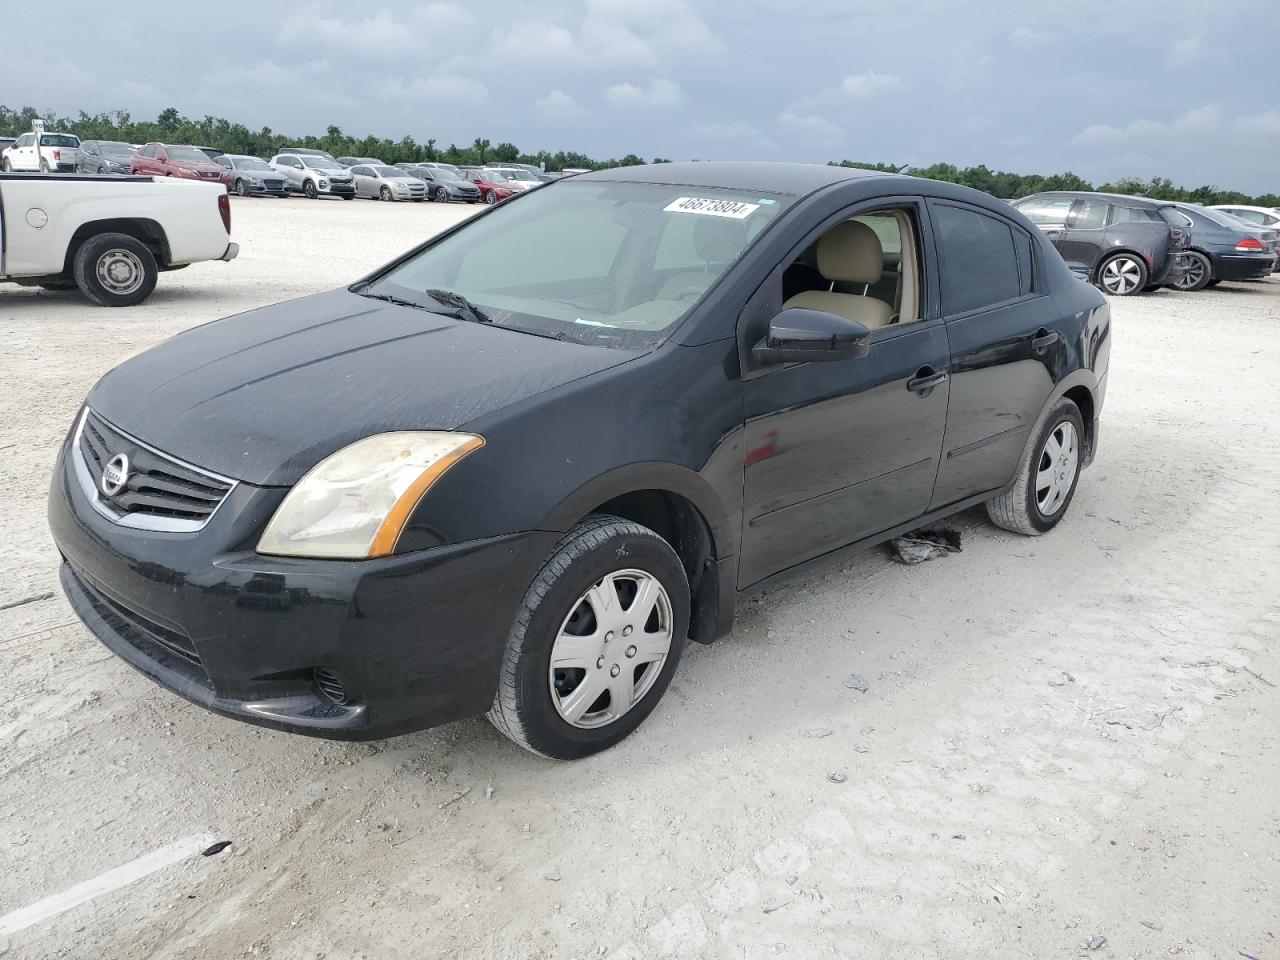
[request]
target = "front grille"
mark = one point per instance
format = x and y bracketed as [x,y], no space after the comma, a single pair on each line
[273,184]
[157,486]
[209,175]
[135,628]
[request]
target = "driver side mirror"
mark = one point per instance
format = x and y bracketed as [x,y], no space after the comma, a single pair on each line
[799,335]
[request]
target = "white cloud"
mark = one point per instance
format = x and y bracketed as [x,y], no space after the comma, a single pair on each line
[659,93]
[1206,143]
[1186,51]
[558,105]
[865,86]
[1030,37]
[447,89]
[810,126]
[382,34]
[727,130]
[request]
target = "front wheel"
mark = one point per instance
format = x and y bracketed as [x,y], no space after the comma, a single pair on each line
[1199,273]
[309,190]
[115,270]
[490,197]
[242,188]
[7,166]
[1122,275]
[1047,479]
[385,194]
[595,641]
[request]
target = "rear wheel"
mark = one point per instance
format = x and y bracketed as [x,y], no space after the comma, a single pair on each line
[1122,275]
[1047,479]
[115,270]
[595,641]
[1199,272]
[44,166]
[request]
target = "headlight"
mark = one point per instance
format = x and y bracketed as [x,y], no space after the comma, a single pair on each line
[354,503]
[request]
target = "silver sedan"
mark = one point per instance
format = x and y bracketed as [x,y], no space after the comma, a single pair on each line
[379,182]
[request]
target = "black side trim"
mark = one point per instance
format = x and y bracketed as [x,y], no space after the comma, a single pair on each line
[970,447]
[771,514]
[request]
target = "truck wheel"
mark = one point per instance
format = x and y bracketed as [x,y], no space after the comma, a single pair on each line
[44,166]
[8,167]
[1046,481]
[115,270]
[595,641]
[309,190]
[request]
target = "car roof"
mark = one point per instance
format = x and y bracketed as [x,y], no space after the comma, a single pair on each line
[769,177]
[1121,198]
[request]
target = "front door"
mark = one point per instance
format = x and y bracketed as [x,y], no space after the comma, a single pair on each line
[1083,242]
[838,451]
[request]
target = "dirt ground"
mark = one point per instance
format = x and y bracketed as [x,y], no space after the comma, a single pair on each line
[1063,739]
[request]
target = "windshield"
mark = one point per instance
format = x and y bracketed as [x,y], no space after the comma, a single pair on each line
[59,140]
[186,155]
[615,264]
[251,163]
[111,148]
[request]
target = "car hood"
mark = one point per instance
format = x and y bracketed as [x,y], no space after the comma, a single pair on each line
[263,396]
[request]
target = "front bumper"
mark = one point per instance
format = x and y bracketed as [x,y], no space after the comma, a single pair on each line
[413,640]
[232,251]
[1244,267]
[340,189]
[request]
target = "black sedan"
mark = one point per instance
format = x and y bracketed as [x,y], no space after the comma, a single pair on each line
[515,470]
[1224,248]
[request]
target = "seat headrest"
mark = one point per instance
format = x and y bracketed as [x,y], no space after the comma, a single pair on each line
[850,252]
[717,239]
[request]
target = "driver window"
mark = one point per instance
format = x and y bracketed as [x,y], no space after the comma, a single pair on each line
[866,268]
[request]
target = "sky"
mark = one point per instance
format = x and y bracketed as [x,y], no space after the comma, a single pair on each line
[1104,88]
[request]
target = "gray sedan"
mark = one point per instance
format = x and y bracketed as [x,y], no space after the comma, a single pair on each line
[380,182]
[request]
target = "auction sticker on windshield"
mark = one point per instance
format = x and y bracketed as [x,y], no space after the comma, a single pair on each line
[733,209]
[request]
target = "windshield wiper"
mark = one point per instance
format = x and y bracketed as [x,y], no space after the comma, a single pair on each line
[465,308]
[398,301]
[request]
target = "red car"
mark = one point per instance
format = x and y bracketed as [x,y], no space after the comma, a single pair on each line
[163,160]
[493,185]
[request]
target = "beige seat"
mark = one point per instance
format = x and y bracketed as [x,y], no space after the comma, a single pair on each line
[715,240]
[848,253]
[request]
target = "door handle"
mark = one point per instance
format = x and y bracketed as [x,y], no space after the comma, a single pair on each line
[925,380]
[1044,339]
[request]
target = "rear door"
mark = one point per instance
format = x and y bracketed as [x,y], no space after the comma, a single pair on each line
[1006,341]
[361,176]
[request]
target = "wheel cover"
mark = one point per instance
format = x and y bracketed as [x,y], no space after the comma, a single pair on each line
[1194,276]
[242,188]
[120,272]
[610,649]
[1121,275]
[1056,468]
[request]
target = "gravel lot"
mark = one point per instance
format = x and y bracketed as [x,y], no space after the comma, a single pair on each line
[1063,739]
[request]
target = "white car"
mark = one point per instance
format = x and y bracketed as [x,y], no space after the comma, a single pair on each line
[1259,216]
[380,182]
[57,153]
[109,236]
[315,176]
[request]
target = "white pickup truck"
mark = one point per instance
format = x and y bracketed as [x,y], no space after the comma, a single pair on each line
[109,236]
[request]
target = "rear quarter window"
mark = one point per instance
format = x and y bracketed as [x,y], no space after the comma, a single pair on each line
[979,265]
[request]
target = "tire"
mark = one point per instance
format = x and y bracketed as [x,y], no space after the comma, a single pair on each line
[242,188]
[1199,273]
[527,707]
[7,166]
[115,270]
[44,166]
[1122,275]
[1024,508]
[309,190]
[385,194]
[490,197]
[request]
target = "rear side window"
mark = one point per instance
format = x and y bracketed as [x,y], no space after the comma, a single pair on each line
[59,140]
[1026,270]
[979,263]
[1131,215]
[1090,215]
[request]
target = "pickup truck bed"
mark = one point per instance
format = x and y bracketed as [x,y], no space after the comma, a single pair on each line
[108,235]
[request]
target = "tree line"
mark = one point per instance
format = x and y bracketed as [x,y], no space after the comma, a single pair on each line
[172,127]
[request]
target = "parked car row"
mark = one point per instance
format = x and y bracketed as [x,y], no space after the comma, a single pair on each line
[1126,244]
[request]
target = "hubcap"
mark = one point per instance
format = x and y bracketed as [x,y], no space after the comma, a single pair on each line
[1121,275]
[596,675]
[120,271]
[1194,275]
[1056,468]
